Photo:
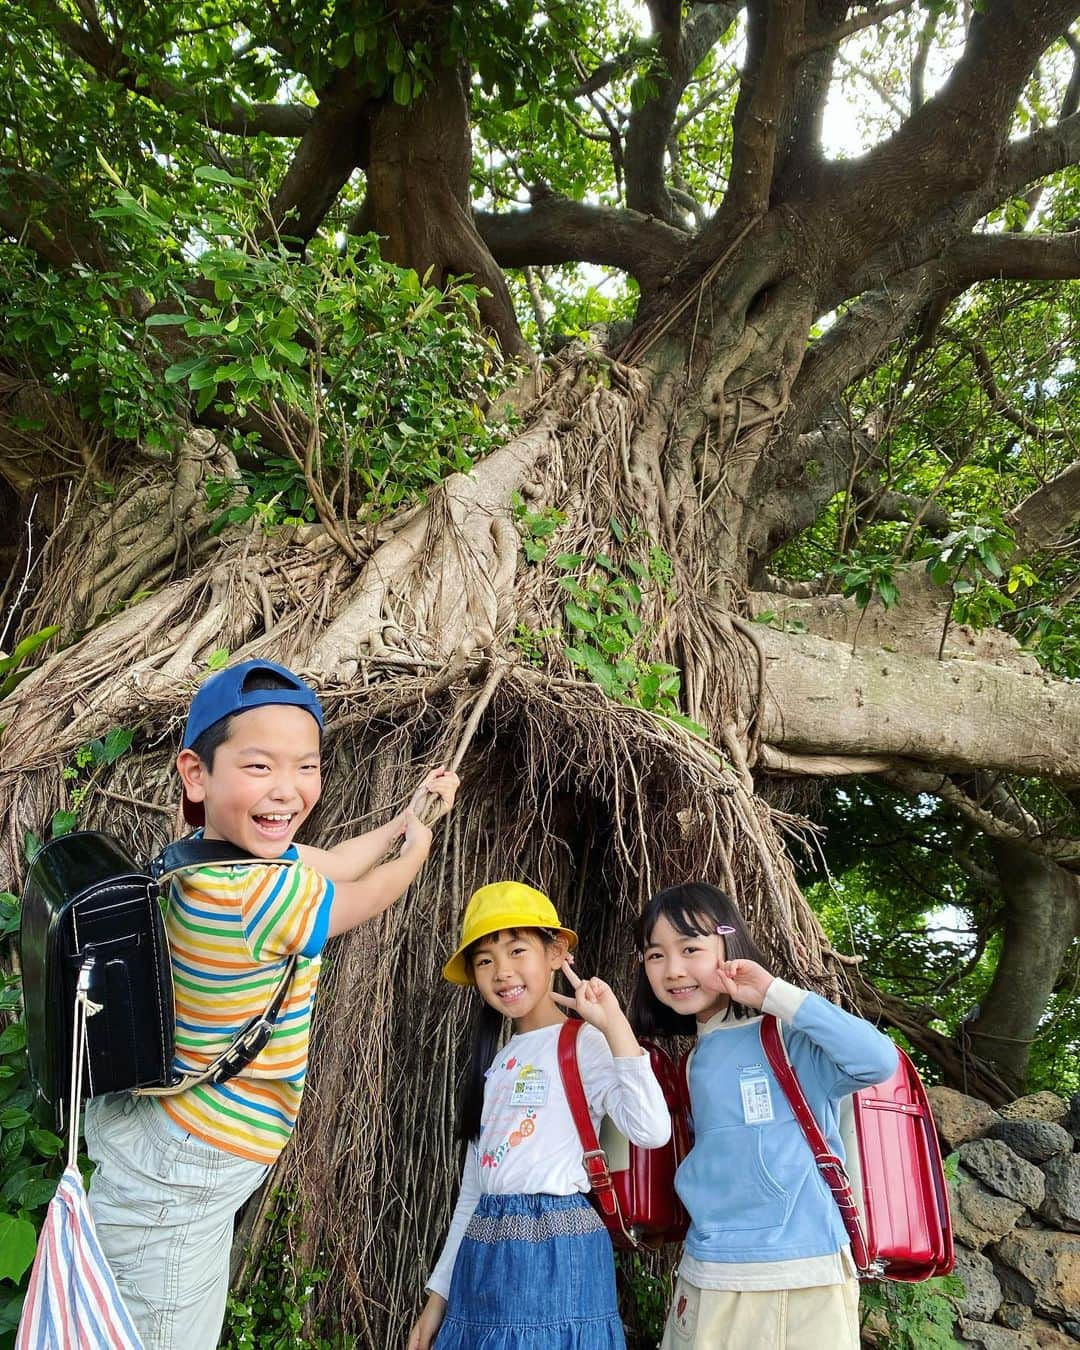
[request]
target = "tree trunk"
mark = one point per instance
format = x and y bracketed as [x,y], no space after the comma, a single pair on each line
[1042,917]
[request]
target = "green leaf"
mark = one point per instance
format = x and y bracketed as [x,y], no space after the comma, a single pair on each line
[218,659]
[579,618]
[45,1142]
[403,88]
[12,1038]
[63,822]
[688,724]
[18,1243]
[180,370]
[165,320]
[208,173]
[27,647]
[599,670]
[117,742]
[37,1192]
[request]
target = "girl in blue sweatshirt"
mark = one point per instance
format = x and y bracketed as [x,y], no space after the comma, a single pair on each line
[767,1265]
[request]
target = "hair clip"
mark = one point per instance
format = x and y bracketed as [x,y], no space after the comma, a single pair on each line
[724,929]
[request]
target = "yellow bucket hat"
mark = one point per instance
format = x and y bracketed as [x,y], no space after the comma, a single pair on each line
[502,905]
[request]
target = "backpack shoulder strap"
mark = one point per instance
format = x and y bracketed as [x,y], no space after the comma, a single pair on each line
[829,1165]
[593,1156]
[185,854]
[250,1042]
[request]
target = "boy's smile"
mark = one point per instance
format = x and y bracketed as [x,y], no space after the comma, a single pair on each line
[265,780]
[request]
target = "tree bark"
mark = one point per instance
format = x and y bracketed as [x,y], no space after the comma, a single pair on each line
[823,698]
[1042,917]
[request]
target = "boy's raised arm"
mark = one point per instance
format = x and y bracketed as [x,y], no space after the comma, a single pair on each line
[356,901]
[353,859]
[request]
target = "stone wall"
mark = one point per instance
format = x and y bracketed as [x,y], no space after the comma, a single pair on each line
[1016,1218]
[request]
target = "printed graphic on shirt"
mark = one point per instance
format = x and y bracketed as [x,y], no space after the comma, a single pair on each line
[519,1090]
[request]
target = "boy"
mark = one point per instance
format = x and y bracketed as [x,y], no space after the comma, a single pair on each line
[172,1171]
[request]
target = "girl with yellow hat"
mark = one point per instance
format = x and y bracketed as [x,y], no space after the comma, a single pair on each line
[527,1263]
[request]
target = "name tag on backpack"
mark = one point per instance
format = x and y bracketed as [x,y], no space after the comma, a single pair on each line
[757,1105]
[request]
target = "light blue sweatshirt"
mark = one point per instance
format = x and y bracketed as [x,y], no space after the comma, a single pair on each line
[752,1190]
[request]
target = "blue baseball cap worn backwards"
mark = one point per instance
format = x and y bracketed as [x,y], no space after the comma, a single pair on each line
[224,695]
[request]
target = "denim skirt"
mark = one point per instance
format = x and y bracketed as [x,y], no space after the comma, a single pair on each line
[533,1272]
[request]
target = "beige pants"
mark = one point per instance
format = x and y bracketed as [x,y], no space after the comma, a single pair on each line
[163,1204]
[825,1317]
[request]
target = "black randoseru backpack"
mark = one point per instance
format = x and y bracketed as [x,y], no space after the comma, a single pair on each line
[87,904]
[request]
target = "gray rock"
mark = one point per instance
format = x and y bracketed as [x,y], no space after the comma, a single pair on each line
[991,1337]
[958,1116]
[1072,1120]
[1046,1336]
[1036,1140]
[1061,1204]
[979,1215]
[1073,1328]
[1004,1171]
[1014,1315]
[1042,1269]
[982,1293]
[1037,1106]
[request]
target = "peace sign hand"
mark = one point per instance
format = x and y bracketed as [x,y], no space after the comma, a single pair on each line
[595,1003]
[744,981]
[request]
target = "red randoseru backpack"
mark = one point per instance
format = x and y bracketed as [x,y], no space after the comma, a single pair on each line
[633,1187]
[892,1194]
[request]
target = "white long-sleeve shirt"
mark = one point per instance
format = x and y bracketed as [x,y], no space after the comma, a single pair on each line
[528,1142]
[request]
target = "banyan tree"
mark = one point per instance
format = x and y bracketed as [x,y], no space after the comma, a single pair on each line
[503,366]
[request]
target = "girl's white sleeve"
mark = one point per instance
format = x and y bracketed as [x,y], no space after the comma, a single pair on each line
[624,1089]
[439,1282]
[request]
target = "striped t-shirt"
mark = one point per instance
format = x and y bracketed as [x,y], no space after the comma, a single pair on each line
[231,930]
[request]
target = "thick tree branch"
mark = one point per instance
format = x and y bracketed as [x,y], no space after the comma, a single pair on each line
[556,229]
[882,503]
[951,145]
[826,697]
[798,159]
[919,60]
[682,48]
[34,210]
[820,463]
[1044,152]
[814,42]
[773,32]
[1019,257]
[961,1068]
[1042,519]
[1042,916]
[882,316]
[857,340]
[333,145]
